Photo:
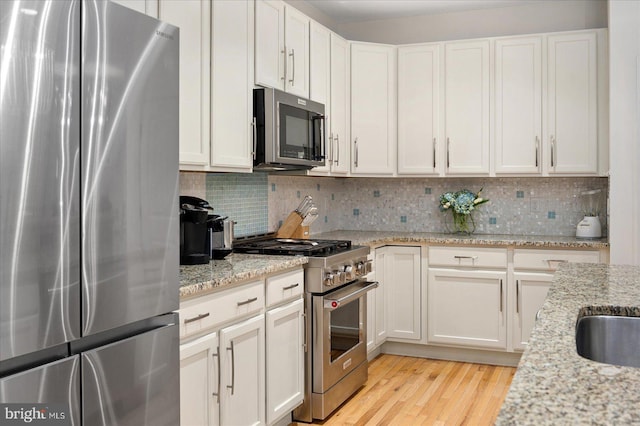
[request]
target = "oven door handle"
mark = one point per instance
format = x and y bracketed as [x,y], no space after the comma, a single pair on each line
[340,298]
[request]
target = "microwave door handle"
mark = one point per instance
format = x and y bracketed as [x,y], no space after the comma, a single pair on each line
[255,136]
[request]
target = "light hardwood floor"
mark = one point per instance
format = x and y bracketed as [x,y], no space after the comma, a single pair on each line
[416,391]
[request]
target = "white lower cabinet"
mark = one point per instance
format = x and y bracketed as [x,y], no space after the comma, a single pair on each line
[199,384]
[242,385]
[285,359]
[376,316]
[529,292]
[238,364]
[398,270]
[222,376]
[467,308]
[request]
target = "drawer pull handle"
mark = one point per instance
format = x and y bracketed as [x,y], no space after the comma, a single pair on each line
[466,257]
[549,261]
[198,318]
[246,302]
[289,287]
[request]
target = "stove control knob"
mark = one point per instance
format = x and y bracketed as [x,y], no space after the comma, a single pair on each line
[348,272]
[339,276]
[329,279]
[360,268]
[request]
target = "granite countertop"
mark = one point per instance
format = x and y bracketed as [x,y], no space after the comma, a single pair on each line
[196,280]
[553,384]
[373,238]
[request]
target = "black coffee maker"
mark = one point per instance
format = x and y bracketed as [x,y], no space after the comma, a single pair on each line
[195,245]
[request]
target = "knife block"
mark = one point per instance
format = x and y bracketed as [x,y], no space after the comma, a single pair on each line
[292,227]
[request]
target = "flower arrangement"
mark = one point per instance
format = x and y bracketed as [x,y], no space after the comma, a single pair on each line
[462,203]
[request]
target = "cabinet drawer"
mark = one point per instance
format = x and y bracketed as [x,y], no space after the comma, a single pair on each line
[468,256]
[548,260]
[285,286]
[201,314]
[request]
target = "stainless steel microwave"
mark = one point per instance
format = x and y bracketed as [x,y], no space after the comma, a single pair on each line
[289,131]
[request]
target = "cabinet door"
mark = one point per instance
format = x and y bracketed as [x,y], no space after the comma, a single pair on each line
[571,112]
[467,308]
[148,7]
[296,40]
[529,295]
[419,109]
[242,373]
[339,101]
[401,277]
[467,107]
[199,382]
[231,85]
[518,105]
[376,309]
[194,19]
[285,359]
[320,80]
[269,49]
[373,108]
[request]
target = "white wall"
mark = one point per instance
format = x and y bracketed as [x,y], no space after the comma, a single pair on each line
[624,122]
[540,16]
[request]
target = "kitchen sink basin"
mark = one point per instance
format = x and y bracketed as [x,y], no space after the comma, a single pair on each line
[609,339]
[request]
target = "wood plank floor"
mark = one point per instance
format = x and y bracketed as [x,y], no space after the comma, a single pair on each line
[416,391]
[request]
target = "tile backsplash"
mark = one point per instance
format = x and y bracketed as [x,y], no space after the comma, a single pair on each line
[521,206]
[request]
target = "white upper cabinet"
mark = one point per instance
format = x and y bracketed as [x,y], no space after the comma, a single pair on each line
[193,17]
[330,85]
[282,47]
[571,135]
[320,81]
[296,41]
[270,54]
[419,95]
[518,100]
[148,7]
[467,104]
[339,101]
[231,85]
[373,109]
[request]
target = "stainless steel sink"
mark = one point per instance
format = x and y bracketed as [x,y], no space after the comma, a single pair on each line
[609,339]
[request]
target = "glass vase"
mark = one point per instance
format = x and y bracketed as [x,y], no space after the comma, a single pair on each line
[458,223]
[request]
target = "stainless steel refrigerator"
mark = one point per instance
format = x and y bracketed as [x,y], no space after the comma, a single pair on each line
[89,228]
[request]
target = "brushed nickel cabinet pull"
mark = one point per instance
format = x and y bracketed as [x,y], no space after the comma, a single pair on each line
[553,146]
[434,153]
[217,355]
[517,296]
[293,67]
[289,287]
[466,257]
[233,369]
[448,144]
[355,160]
[196,318]
[537,150]
[246,302]
[500,296]
[284,56]
[337,161]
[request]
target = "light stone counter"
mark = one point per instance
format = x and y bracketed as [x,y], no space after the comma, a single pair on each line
[197,280]
[376,238]
[553,384]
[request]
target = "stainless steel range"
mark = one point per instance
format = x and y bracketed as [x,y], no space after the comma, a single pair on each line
[336,308]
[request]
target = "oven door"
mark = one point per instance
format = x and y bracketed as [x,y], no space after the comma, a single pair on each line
[339,333]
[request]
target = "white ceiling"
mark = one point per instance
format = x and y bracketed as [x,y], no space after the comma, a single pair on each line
[370,10]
